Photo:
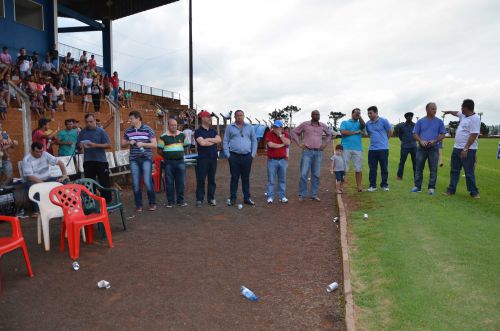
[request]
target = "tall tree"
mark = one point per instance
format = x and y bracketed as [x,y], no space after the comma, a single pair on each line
[335,116]
[285,114]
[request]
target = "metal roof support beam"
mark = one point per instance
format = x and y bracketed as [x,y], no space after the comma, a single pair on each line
[77,16]
[107,46]
[78,29]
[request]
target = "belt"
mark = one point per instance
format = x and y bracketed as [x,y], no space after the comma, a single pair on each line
[276,158]
[314,149]
[239,153]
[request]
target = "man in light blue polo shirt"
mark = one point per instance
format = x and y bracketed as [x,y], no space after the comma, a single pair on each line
[240,145]
[379,130]
[352,132]
[428,131]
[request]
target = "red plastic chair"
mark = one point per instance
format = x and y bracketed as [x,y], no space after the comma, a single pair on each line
[69,198]
[8,244]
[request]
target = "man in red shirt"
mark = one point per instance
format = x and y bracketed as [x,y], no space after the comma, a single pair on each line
[40,135]
[276,141]
[116,83]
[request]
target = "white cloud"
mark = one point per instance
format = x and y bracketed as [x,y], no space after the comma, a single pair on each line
[330,55]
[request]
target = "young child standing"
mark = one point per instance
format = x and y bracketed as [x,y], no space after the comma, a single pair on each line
[338,167]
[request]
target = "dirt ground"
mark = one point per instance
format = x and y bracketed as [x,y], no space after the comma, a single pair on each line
[182,268]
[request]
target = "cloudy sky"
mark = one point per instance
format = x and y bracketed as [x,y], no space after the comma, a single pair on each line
[317,54]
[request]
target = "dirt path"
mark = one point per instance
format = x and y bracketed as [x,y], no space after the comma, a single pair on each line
[181,268]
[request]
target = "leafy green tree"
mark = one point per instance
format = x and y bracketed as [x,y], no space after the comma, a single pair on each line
[484,130]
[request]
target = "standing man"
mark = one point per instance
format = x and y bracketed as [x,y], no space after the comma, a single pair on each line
[95,141]
[312,146]
[429,132]
[115,82]
[207,140]
[6,169]
[380,131]
[277,142]
[171,147]
[66,139]
[240,145]
[352,132]
[141,139]
[465,148]
[408,144]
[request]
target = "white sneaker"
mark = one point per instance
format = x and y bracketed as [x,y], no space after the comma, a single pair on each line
[284,200]
[386,189]
[431,191]
[269,200]
[371,189]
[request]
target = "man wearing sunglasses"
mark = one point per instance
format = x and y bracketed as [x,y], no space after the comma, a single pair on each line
[240,145]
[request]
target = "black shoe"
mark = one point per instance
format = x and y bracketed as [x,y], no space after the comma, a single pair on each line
[230,202]
[249,202]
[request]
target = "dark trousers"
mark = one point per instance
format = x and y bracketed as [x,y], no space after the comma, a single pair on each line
[402,159]
[469,165]
[205,168]
[240,165]
[431,155]
[374,158]
[96,100]
[175,172]
[98,171]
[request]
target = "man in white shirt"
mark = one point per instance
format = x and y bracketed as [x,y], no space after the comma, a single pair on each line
[188,133]
[465,148]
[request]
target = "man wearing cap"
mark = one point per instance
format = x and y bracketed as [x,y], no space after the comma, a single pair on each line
[408,144]
[277,142]
[240,145]
[428,131]
[312,146]
[207,140]
[352,132]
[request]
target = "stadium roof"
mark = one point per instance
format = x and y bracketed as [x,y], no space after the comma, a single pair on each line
[112,9]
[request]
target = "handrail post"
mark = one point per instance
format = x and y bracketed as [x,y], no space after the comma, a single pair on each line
[115,112]
[25,103]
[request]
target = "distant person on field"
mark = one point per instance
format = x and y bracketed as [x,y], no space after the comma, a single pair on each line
[277,142]
[309,137]
[465,148]
[379,129]
[338,167]
[428,131]
[352,132]
[408,144]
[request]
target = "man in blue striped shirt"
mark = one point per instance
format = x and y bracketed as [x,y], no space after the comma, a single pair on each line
[141,139]
[240,145]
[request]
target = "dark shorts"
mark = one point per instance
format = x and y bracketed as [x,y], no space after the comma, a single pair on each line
[3,110]
[339,176]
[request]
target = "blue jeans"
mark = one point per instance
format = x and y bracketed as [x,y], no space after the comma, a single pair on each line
[115,94]
[141,167]
[205,168]
[175,172]
[73,83]
[402,160]
[310,162]
[276,167]
[431,155]
[375,158]
[240,166]
[469,165]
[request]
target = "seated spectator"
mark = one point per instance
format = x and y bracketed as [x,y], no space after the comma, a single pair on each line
[5,61]
[92,63]
[36,107]
[128,98]
[40,134]
[60,97]
[24,63]
[36,169]
[83,58]
[6,170]
[48,68]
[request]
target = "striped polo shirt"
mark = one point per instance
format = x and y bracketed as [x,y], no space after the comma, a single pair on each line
[143,134]
[172,147]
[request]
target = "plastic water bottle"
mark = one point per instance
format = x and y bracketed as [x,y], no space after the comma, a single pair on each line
[76,265]
[248,294]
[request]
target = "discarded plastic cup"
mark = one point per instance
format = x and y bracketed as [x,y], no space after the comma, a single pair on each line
[332,287]
[75,265]
[365,216]
[335,219]
[103,284]
[247,293]
[240,206]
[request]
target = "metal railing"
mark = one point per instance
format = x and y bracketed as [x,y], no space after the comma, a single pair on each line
[77,52]
[25,102]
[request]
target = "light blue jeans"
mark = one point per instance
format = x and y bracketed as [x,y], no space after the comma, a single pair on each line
[142,167]
[276,167]
[310,162]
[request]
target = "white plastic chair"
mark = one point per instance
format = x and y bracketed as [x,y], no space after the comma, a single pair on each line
[47,209]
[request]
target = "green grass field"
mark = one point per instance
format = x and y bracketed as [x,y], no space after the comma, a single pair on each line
[423,262]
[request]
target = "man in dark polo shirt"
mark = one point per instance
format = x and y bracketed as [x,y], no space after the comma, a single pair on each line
[171,147]
[207,140]
[277,141]
[408,144]
[95,141]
